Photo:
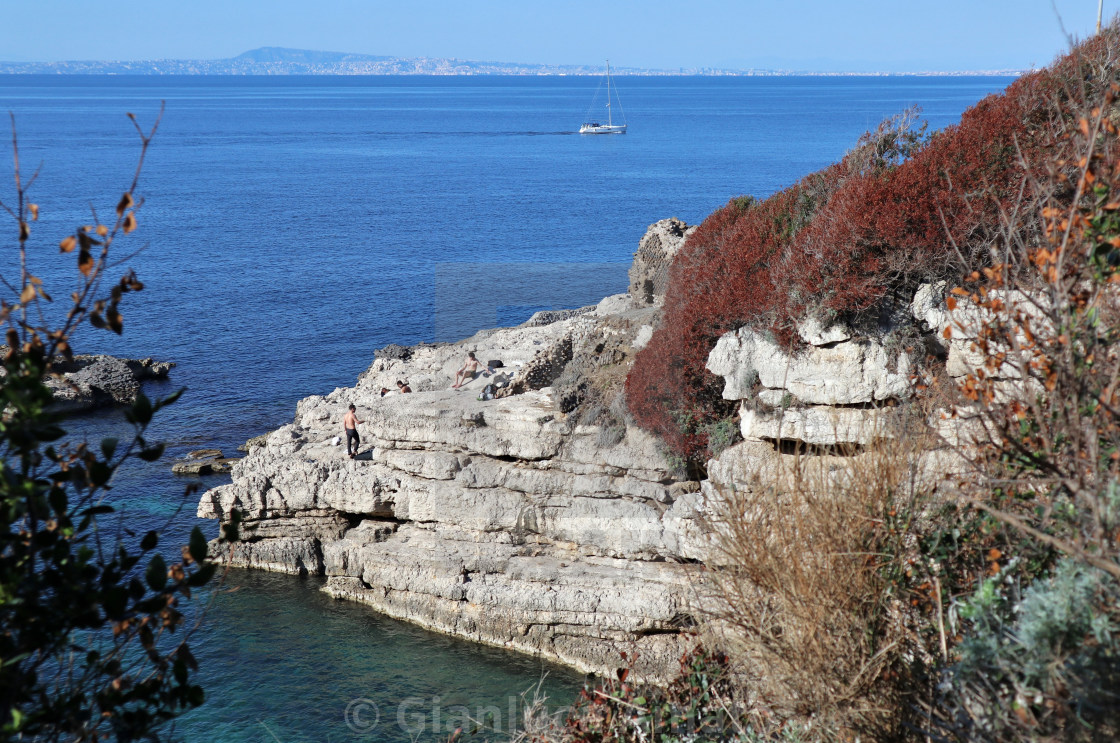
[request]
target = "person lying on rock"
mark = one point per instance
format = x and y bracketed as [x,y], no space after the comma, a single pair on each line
[468,372]
[403,387]
[350,425]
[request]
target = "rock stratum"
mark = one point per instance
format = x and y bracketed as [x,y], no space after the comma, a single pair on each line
[542,520]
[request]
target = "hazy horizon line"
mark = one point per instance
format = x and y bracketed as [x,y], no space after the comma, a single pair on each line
[526,68]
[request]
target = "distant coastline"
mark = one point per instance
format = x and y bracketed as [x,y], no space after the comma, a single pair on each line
[279,61]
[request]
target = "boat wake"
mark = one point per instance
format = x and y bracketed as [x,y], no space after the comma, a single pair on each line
[405,135]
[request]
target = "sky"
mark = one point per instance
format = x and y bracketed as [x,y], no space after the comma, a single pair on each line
[802,35]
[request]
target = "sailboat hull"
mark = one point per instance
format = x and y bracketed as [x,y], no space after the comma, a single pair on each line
[602,129]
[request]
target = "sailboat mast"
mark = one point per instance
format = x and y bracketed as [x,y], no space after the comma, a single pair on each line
[608,92]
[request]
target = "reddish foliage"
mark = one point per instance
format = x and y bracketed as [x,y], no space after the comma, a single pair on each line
[837,243]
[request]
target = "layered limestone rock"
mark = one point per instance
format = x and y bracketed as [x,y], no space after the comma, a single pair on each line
[846,371]
[839,389]
[814,411]
[537,520]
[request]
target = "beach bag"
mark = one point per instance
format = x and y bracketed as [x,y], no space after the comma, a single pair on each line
[487,393]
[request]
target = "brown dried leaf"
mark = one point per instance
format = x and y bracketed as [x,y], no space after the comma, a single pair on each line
[27,294]
[85,262]
[124,204]
[129,224]
[34,209]
[67,245]
[114,320]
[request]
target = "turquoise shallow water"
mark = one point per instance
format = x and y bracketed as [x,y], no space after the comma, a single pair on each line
[295,225]
[294,665]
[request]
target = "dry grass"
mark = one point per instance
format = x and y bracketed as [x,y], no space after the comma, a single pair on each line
[806,578]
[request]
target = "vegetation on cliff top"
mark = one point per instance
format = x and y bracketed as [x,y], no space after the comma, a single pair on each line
[901,208]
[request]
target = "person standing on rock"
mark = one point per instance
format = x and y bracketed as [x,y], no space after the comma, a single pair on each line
[350,425]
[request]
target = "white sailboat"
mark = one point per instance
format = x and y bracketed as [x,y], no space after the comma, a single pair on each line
[594,127]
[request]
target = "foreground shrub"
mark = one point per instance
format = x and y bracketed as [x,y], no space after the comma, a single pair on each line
[702,703]
[94,642]
[1043,320]
[810,588]
[1046,664]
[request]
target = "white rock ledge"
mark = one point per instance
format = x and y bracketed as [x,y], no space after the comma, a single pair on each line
[844,372]
[499,521]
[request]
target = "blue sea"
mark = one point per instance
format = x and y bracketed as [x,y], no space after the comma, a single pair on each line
[293,225]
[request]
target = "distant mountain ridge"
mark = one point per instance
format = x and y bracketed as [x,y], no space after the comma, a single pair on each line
[273,60]
[273,54]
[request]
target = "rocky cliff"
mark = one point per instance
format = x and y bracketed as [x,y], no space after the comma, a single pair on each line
[541,520]
[517,521]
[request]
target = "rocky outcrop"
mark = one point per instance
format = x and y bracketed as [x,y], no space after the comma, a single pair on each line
[833,369]
[840,389]
[87,382]
[204,462]
[822,405]
[649,274]
[501,521]
[541,519]
[538,521]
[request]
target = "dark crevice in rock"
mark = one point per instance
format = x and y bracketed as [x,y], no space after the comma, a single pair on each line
[353,520]
[651,631]
[797,447]
[890,402]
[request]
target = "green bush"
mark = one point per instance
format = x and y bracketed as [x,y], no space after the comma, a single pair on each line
[1045,666]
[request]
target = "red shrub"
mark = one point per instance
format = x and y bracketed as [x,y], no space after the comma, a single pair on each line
[837,243]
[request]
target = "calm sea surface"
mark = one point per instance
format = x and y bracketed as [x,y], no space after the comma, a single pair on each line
[294,225]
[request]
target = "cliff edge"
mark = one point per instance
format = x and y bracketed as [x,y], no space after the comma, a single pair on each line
[538,520]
